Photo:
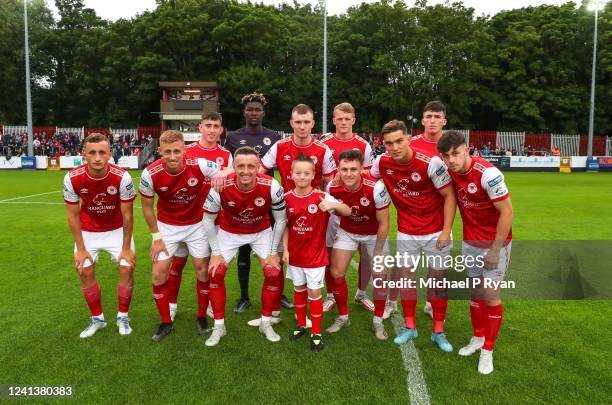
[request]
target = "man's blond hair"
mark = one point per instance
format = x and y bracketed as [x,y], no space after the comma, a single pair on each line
[345,108]
[171,136]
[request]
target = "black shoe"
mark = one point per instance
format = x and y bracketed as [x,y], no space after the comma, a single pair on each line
[297,333]
[202,324]
[316,343]
[163,331]
[242,305]
[285,303]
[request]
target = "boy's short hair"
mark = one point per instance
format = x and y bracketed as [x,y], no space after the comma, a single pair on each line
[302,157]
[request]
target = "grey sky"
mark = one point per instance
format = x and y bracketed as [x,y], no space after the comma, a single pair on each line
[115,9]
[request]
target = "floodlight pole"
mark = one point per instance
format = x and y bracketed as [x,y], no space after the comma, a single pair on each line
[323,4]
[27,79]
[592,108]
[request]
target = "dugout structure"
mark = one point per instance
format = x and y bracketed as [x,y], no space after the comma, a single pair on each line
[183,104]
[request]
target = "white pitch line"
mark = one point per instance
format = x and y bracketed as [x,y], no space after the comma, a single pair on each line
[31,202]
[417,387]
[28,196]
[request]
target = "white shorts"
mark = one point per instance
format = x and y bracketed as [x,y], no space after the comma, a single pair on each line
[230,242]
[182,250]
[351,241]
[413,245]
[110,241]
[497,274]
[333,225]
[312,277]
[192,236]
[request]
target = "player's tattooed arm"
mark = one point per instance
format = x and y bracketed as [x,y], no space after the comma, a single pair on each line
[450,207]
[74,222]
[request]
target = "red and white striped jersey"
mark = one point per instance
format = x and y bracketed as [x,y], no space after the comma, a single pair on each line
[180,195]
[245,212]
[414,188]
[101,197]
[283,152]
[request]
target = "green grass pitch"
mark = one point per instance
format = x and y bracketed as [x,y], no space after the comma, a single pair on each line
[547,352]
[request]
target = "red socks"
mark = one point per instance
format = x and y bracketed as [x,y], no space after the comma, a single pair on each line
[439,314]
[340,290]
[202,289]
[218,293]
[478,312]
[161,301]
[270,293]
[124,298]
[409,309]
[92,297]
[494,321]
[316,314]
[300,298]
[380,297]
[175,275]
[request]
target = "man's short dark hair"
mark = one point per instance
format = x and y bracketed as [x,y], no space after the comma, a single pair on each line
[435,106]
[350,155]
[302,157]
[450,140]
[246,150]
[95,137]
[212,116]
[392,126]
[302,109]
[254,98]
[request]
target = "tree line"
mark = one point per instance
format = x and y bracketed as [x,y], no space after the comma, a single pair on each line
[527,69]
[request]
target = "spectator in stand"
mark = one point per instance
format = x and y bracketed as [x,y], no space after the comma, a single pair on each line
[556,151]
[126,149]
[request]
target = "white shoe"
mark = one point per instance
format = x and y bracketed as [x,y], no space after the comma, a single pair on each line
[268,331]
[428,309]
[365,301]
[308,322]
[339,323]
[475,344]
[218,332]
[485,364]
[379,331]
[123,323]
[329,302]
[96,324]
[257,321]
[209,312]
[390,309]
[173,308]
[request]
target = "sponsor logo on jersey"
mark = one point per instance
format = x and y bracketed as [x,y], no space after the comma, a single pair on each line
[129,186]
[246,213]
[440,171]
[182,195]
[300,225]
[286,157]
[291,210]
[403,184]
[499,191]
[84,191]
[495,181]
[364,201]
[112,190]
[192,181]
[164,188]
[471,188]
[389,172]
[260,201]
[415,177]
[99,199]
[144,183]
[231,203]
[312,208]
[383,193]
[267,141]
[242,142]
[301,221]
[280,192]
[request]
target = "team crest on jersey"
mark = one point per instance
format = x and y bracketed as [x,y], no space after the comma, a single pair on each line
[112,190]
[192,181]
[415,177]
[84,191]
[164,188]
[312,208]
[472,188]
[267,141]
[287,157]
[220,161]
[260,201]
[364,201]
[390,172]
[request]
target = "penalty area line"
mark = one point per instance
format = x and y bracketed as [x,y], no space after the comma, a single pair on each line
[417,387]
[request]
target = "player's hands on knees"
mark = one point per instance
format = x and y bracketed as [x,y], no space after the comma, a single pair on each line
[444,240]
[491,259]
[157,247]
[215,263]
[79,260]
[129,256]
